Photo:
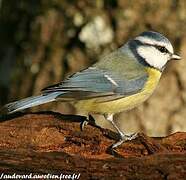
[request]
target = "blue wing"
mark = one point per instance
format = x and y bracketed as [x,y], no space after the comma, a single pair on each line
[93,83]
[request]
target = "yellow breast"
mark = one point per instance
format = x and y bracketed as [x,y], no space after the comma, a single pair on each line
[122,104]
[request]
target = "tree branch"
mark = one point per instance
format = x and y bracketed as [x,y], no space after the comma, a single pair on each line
[51,142]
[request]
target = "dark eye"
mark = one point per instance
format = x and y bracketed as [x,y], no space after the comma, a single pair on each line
[162,49]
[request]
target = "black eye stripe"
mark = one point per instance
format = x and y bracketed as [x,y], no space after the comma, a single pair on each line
[162,49]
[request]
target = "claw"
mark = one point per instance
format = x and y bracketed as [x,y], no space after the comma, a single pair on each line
[83,124]
[89,120]
[131,136]
[124,138]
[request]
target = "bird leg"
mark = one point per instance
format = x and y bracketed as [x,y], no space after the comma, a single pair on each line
[123,137]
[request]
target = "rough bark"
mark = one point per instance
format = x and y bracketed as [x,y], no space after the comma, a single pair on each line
[49,142]
[41,44]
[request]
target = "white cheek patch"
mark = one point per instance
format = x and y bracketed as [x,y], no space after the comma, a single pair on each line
[152,56]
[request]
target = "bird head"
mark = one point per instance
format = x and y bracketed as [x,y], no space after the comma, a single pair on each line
[153,49]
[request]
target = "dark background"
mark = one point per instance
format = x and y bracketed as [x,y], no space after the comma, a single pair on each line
[44,41]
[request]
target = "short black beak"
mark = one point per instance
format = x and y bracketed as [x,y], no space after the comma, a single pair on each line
[175,57]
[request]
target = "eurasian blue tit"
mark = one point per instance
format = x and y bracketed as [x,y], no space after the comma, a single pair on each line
[118,82]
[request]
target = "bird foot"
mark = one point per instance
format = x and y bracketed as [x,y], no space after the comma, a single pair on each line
[124,138]
[83,124]
[89,120]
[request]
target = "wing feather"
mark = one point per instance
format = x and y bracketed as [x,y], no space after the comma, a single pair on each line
[103,81]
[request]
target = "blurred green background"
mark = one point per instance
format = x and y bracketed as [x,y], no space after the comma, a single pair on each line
[44,41]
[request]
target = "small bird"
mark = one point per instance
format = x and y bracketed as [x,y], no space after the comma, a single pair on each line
[118,82]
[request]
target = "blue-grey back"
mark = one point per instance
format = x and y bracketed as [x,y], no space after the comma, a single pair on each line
[115,75]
